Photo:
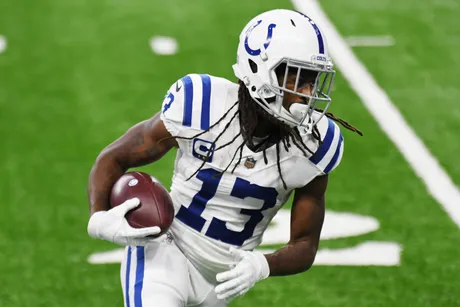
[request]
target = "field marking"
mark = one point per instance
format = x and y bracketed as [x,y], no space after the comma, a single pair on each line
[364,254]
[436,180]
[370,41]
[2,43]
[163,45]
[368,253]
[336,225]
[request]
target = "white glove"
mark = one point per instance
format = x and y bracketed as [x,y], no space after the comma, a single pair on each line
[251,267]
[112,226]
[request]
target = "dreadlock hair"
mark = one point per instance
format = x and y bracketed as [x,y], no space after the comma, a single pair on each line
[251,115]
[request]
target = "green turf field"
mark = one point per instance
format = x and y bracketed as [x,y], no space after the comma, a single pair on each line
[76,74]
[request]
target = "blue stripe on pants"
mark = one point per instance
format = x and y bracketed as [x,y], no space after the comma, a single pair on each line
[128,269]
[139,276]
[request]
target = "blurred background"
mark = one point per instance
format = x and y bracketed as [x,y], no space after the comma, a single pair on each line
[75,75]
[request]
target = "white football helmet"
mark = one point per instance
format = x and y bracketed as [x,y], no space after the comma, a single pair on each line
[283,37]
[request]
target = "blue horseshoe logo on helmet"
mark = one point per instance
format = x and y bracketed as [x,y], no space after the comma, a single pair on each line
[267,41]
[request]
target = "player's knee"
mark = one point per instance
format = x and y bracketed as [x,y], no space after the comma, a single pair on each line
[163,299]
[157,294]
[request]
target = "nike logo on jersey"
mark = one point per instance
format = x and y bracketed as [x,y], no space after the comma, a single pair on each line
[178,86]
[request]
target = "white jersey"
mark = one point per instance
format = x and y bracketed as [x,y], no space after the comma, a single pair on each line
[213,211]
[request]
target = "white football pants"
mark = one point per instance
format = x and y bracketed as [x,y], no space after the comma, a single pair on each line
[159,275]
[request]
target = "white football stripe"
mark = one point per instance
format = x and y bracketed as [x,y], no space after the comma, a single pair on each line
[437,181]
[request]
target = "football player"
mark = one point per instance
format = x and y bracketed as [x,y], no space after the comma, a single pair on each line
[242,149]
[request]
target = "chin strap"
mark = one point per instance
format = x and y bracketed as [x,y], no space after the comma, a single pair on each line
[298,112]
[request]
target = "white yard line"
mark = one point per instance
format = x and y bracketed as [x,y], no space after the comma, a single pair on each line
[370,41]
[2,43]
[164,45]
[425,165]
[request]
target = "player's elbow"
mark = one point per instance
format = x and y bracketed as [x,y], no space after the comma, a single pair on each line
[307,264]
[310,258]
[107,160]
[301,265]
[306,253]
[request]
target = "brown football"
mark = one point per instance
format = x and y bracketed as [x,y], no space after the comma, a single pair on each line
[156,208]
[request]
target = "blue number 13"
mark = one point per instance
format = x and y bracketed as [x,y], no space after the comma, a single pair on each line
[191,216]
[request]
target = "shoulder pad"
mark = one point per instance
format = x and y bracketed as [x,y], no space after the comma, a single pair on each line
[188,103]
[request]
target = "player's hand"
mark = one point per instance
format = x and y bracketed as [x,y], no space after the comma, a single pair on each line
[112,226]
[250,268]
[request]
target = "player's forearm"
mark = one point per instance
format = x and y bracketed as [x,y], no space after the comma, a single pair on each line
[103,175]
[137,147]
[291,259]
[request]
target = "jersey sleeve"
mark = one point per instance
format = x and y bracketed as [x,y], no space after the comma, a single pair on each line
[186,107]
[329,154]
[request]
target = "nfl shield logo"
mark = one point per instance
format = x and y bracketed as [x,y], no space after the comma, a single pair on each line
[250,162]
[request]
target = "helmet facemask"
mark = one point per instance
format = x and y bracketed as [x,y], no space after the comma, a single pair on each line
[321,77]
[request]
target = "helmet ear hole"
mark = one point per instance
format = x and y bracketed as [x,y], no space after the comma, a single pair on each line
[253,66]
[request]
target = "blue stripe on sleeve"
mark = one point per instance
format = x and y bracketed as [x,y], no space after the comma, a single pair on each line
[324,148]
[188,104]
[335,157]
[128,269]
[206,102]
[139,277]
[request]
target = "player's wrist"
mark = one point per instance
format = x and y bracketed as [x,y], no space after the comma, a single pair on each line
[264,269]
[94,224]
